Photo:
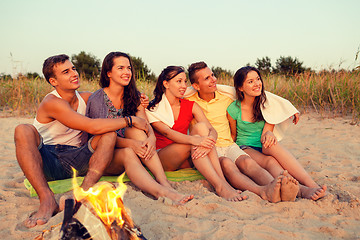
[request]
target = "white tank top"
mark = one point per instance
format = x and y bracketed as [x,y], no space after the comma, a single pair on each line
[54,132]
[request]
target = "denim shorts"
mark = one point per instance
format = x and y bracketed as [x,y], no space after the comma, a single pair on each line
[243,147]
[58,160]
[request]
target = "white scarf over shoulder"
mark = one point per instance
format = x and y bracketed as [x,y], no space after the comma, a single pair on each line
[277,110]
[162,112]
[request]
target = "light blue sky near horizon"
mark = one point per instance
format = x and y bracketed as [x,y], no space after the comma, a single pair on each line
[230,34]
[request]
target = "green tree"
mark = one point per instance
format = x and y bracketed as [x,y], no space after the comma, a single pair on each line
[142,71]
[32,75]
[86,64]
[264,65]
[289,66]
[4,76]
[221,73]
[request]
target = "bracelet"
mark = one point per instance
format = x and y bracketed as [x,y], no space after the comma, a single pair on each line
[130,122]
[126,120]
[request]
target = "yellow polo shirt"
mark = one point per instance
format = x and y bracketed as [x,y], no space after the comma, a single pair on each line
[215,111]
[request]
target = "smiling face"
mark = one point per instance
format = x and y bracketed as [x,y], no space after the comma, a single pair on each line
[176,86]
[65,76]
[120,73]
[252,85]
[205,81]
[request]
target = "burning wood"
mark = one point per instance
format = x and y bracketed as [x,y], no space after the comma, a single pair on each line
[98,213]
[101,212]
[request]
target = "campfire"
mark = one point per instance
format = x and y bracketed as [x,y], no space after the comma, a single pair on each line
[98,213]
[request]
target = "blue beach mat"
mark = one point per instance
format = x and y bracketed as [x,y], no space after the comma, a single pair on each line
[65,185]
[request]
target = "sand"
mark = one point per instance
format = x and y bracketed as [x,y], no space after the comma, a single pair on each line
[329,149]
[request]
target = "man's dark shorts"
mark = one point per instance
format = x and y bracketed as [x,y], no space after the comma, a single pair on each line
[58,160]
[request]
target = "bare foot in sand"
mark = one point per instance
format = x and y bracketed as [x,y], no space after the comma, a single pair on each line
[229,193]
[175,197]
[271,192]
[313,193]
[289,188]
[47,209]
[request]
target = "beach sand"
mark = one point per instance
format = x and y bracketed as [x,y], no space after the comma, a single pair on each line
[329,149]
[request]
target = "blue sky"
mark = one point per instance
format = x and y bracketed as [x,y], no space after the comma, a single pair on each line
[229,34]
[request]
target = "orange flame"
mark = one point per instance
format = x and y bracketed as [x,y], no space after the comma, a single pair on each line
[105,199]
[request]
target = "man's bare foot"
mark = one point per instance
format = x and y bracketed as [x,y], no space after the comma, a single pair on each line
[229,193]
[289,188]
[313,193]
[271,192]
[47,209]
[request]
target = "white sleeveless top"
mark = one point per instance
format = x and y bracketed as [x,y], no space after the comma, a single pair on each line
[54,132]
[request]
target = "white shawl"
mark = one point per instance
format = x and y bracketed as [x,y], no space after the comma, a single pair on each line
[162,112]
[276,110]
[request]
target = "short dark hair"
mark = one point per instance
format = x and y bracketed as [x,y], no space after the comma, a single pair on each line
[194,67]
[50,62]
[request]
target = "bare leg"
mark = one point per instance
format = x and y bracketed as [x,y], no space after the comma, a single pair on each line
[274,167]
[252,169]
[209,166]
[202,130]
[153,163]
[104,148]
[270,192]
[125,159]
[267,162]
[289,162]
[222,187]
[29,158]
[174,155]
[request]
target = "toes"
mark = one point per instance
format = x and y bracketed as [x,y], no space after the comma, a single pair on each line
[41,221]
[184,200]
[30,222]
[33,221]
[315,196]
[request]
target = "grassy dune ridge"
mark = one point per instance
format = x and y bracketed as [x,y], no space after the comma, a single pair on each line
[329,92]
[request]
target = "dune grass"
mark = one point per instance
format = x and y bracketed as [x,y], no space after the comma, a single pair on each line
[337,93]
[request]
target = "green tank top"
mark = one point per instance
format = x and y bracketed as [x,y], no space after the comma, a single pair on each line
[247,133]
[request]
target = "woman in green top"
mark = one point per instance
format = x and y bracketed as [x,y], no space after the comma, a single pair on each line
[255,136]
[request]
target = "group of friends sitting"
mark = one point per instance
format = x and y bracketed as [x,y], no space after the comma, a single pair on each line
[229,134]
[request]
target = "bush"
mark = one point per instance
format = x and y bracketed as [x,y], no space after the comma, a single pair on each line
[86,64]
[288,66]
[4,76]
[264,65]
[32,75]
[221,73]
[141,69]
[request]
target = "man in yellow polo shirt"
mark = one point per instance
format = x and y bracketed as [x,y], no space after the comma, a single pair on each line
[234,161]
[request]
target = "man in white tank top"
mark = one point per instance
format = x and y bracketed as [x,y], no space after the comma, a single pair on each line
[49,148]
